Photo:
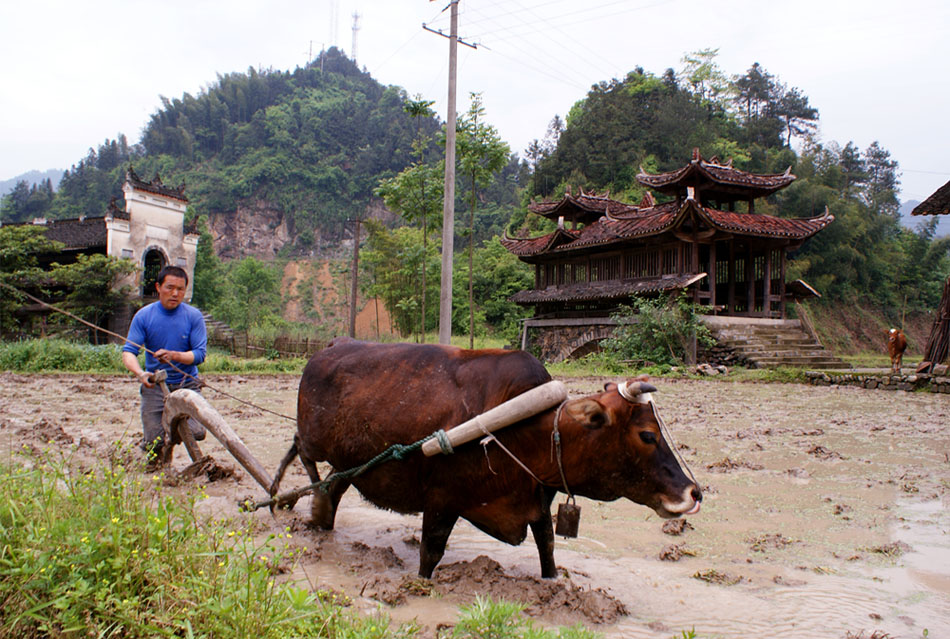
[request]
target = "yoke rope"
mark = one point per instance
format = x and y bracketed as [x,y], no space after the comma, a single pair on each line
[200,382]
[396,451]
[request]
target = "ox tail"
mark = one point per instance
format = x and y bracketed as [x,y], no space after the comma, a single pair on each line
[284,463]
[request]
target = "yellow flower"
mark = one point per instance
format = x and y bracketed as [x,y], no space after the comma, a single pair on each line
[115,520]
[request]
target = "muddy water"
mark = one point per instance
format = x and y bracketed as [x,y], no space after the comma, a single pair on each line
[825,513]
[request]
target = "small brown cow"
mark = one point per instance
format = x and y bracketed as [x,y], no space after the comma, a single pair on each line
[356,399]
[896,345]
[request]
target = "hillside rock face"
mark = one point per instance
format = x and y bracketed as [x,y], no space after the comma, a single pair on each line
[260,230]
[254,229]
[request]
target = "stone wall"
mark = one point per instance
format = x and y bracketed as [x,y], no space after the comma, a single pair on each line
[554,344]
[922,382]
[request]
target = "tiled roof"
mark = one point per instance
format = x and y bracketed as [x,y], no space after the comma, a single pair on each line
[936,204]
[700,170]
[156,186]
[535,245]
[641,223]
[606,290]
[78,233]
[590,205]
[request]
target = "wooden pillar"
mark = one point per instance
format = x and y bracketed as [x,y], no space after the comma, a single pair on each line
[750,282]
[767,283]
[732,278]
[781,282]
[712,273]
[694,266]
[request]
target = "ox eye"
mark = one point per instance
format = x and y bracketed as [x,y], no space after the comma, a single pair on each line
[647,437]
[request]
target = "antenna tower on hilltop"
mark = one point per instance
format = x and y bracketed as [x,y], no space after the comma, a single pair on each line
[334,21]
[356,28]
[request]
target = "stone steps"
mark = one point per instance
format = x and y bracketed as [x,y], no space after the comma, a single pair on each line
[763,343]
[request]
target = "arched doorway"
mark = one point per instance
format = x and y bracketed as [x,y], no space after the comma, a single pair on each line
[154,262]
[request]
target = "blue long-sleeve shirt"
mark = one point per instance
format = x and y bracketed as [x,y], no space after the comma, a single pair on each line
[182,329]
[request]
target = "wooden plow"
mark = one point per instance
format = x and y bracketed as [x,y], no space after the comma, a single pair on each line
[184,404]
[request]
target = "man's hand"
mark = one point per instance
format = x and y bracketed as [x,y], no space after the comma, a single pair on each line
[166,356]
[146,379]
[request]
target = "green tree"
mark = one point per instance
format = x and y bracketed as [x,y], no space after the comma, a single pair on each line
[20,248]
[416,192]
[498,275]
[209,277]
[481,154]
[92,286]
[703,75]
[394,259]
[883,181]
[253,294]
[798,116]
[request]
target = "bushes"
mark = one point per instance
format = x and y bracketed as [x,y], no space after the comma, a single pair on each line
[658,330]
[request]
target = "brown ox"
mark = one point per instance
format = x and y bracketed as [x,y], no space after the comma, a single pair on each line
[896,345]
[356,399]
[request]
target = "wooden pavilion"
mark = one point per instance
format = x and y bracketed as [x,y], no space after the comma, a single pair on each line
[706,239]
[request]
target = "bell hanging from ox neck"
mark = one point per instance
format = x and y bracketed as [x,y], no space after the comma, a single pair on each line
[568,518]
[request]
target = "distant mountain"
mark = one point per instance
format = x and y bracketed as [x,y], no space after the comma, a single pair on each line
[913,221]
[32,177]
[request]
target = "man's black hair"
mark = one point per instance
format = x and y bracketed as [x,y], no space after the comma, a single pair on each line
[175,271]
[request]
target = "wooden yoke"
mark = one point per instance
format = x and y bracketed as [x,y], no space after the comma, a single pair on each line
[527,404]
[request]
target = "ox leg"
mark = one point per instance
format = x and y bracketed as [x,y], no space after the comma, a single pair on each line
[323,505]
[543,532]
[436,528]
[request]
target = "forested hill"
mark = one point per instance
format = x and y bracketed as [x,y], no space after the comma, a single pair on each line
[305,147]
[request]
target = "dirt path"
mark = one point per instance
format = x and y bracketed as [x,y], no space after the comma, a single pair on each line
[825,513]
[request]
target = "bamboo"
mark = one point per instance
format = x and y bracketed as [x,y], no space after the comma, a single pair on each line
[527,404]
[186,402]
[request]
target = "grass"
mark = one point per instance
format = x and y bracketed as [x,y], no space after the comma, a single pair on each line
[56,355]
[106,552]
[50,356]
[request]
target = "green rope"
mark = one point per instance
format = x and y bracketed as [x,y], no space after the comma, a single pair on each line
[396,451]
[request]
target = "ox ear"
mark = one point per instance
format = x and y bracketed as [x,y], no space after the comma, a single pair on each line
[609,386]
[587,412]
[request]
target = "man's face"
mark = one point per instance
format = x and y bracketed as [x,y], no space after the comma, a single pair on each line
[171,292]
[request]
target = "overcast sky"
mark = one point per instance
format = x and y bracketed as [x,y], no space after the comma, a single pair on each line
[76,73]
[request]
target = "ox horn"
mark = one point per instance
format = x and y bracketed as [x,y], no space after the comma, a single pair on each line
[636,392]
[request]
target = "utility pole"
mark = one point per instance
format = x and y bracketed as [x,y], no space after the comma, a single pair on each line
[448,201]
[354,276]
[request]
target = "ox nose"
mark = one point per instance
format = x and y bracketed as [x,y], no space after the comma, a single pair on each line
[696,493]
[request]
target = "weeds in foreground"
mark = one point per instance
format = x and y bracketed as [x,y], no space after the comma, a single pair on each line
[105,552]
[487,619]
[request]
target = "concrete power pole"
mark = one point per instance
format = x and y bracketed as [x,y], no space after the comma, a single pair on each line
[448,202]
[354,277]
